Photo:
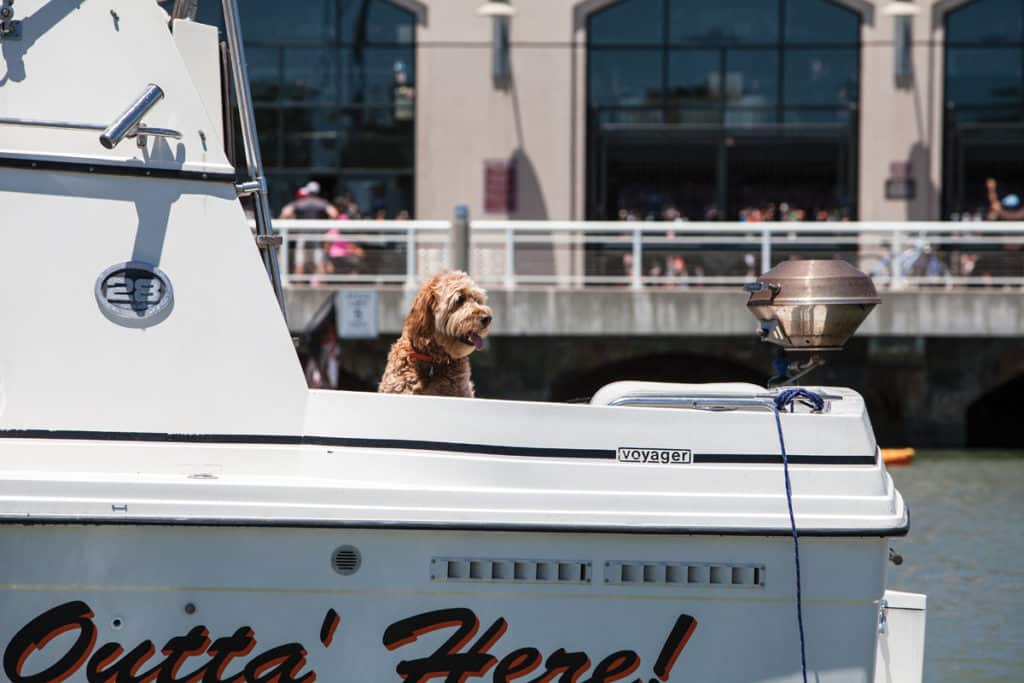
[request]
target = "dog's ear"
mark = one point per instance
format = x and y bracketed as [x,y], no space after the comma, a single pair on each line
[419,324]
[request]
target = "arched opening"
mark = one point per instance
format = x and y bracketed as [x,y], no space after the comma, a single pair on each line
[984,97]
[668,367]
[718,109]
[333,87]
[994,420]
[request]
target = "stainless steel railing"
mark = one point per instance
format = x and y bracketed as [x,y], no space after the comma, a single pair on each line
[128,124]
[570,254]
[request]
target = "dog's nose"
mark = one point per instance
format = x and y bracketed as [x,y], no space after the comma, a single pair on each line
[485,320]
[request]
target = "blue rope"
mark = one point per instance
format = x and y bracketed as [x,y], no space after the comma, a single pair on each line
[788,398]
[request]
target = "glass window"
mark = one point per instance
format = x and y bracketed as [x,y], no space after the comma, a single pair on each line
[751,78]
[810,72]
[310,137]
[979,76]
[712,69]
[693,76]
[309,74]
[985,22]
[268,131]
[819,22]
[632,22]
[373,75]
[839,117]
[264,72]
[631,116]
[374,139]
[624,78]
[334,86]
[266,21]
[723,21]
[377,192]
[820,77]
[375,21]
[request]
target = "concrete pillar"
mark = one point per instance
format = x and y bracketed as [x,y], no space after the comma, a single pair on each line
[900,117]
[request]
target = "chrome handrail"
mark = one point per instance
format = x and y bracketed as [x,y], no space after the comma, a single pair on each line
[704,402]
[70,125]
[129,121]
[257,184]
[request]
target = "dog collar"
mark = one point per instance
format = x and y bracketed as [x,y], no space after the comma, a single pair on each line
[421,357]
[426,362]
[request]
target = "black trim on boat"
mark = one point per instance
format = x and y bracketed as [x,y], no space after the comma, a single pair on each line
[37,520]
[765,458]
[417,445]
[78,166]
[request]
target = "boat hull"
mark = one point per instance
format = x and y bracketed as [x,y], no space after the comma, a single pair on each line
[431,604]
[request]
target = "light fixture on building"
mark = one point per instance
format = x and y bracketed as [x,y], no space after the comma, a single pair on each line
[500,11]
[902,12]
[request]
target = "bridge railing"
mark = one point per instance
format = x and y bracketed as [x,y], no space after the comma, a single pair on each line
[575,254]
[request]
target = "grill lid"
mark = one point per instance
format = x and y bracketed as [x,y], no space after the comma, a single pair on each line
[811,305]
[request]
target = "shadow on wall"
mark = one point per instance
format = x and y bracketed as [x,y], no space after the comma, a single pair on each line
[530,202]
[531,259]
[673,367]
[993,420]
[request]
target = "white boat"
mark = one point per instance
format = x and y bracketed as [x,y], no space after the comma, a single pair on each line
[176,505]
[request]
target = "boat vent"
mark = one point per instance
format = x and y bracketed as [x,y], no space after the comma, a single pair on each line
[346,560]
[509,571]
[684,574]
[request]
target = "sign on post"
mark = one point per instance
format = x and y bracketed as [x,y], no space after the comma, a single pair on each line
[356,313]
[499,186]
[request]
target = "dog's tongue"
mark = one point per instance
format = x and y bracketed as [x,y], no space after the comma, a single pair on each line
[477,340]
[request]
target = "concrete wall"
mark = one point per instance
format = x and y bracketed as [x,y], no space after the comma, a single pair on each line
[696,313]
[538,116]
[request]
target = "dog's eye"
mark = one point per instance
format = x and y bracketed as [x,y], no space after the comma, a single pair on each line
[461,300]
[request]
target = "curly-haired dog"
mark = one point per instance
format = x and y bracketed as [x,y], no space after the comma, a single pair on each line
[448,321]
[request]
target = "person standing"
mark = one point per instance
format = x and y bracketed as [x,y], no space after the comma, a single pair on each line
[308,205]
[1006,209]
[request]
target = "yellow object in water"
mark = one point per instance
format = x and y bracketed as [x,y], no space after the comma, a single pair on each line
[898,456]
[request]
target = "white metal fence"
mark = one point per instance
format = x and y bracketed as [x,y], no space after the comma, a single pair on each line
[510,254]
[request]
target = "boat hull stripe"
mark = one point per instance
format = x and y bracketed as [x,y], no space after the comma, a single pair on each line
[93,168]
[81,520]
[416,445]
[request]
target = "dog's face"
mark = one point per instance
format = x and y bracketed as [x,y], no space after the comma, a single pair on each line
[451,312]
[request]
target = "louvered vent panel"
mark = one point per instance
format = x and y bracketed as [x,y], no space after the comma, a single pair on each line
[509,570]
[685,574]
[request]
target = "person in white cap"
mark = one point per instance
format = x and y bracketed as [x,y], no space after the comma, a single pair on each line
[308,205]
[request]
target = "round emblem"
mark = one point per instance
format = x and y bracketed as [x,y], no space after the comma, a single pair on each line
[134,294]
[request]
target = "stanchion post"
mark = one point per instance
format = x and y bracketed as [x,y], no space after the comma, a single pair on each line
[766,250]
[637,281]
[458,240]
[410,258]
[510,258]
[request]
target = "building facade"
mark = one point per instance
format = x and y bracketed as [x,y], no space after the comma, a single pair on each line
[598,109]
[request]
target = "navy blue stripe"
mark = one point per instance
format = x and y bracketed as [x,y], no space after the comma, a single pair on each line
[417,445]
[734,458]
[518,527]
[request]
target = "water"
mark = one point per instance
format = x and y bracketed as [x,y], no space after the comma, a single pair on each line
[966,551]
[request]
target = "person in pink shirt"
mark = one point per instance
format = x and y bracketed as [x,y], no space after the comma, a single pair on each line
[343,256]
